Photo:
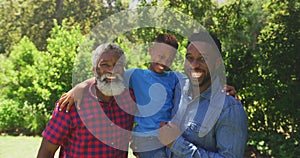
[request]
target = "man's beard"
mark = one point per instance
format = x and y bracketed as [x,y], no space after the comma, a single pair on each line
[110,88]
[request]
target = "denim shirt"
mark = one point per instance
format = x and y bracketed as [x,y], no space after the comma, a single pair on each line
[214,125]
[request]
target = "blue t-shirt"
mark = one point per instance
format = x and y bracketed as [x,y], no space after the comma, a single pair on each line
[154,94]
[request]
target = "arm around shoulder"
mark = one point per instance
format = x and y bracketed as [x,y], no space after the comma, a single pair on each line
[74,95]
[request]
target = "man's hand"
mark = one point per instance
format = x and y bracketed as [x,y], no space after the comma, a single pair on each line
[168,133]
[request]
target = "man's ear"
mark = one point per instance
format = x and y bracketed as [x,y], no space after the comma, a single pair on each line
[218,61]
[94,71]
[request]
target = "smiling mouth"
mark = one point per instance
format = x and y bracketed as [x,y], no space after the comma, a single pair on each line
[161,66]
[110,77]
[196,74]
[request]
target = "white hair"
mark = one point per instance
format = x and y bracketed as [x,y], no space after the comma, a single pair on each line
[96,54]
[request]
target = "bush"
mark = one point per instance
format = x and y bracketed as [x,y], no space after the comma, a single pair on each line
[36,118]
[25,119]
[11,116]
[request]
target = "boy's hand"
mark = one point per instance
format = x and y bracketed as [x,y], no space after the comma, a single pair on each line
[230,90]
[66,99]
[74,96]
[168,133]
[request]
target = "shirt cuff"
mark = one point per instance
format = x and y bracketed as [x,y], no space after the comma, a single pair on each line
[177,146]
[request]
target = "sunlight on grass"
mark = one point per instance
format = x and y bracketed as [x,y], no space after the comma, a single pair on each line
[24,146]
[20,146]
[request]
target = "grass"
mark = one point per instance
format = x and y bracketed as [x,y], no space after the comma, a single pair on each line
[24,146]
[20,146]
[27,147]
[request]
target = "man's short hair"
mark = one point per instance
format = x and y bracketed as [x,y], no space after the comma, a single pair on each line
[206,37]
[167,39]
[96,54]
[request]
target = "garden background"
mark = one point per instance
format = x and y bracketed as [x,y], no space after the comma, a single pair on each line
[261,50]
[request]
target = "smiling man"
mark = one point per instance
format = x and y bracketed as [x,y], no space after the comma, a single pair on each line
[207,122]
[97,130]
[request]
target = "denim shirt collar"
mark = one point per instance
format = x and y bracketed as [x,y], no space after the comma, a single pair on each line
[206,94]
[212,95]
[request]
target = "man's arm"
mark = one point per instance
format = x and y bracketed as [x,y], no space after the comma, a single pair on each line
[74,95]
[231,136]
[47,149]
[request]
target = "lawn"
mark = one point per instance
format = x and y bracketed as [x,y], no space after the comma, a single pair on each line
[23,146]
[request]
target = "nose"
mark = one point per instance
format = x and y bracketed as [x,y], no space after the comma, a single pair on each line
[108,68]
[194,63]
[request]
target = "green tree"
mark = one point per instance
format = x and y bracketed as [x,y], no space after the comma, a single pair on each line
[34,19]
[279,78]
[62,47]
[259,41]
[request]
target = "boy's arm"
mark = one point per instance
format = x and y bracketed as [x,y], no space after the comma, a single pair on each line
[74,95]
[230,90]
[47,149]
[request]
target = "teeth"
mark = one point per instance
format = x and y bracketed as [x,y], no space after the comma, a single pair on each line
[196,74]
[112,77]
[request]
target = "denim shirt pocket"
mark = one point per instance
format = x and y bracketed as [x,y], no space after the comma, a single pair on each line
[192,131]
[192,134]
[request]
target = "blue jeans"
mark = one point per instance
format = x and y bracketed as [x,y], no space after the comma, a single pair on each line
[157,153]
[148,147]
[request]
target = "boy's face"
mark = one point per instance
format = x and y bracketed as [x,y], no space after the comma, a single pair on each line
[162,56]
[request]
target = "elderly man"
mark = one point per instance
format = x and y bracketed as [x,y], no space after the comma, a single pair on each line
[207,123]
[102,127]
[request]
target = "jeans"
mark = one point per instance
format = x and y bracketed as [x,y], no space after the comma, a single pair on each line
[148,147]
[157,153]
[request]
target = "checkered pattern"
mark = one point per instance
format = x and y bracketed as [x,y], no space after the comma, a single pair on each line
[98,129]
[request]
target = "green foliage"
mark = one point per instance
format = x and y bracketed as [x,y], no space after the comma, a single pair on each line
[34,18]
[35,117]
[10,116]
[82,68]
[37,79]
[260,40]
[26,59]
[62,47]
[279,48]
[260,48]
[18,118]
[6,73]
[24,18]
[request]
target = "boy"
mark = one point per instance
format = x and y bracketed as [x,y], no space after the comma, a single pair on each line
[154,89]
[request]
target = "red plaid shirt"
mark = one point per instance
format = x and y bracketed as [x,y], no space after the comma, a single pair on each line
[94,130]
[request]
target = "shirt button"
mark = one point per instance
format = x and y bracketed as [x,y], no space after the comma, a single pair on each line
[111,124]
[112,143]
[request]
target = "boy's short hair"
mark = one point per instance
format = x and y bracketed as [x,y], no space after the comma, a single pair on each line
[167,39]
[203,36]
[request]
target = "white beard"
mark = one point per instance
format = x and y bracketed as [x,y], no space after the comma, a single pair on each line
[110,88]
